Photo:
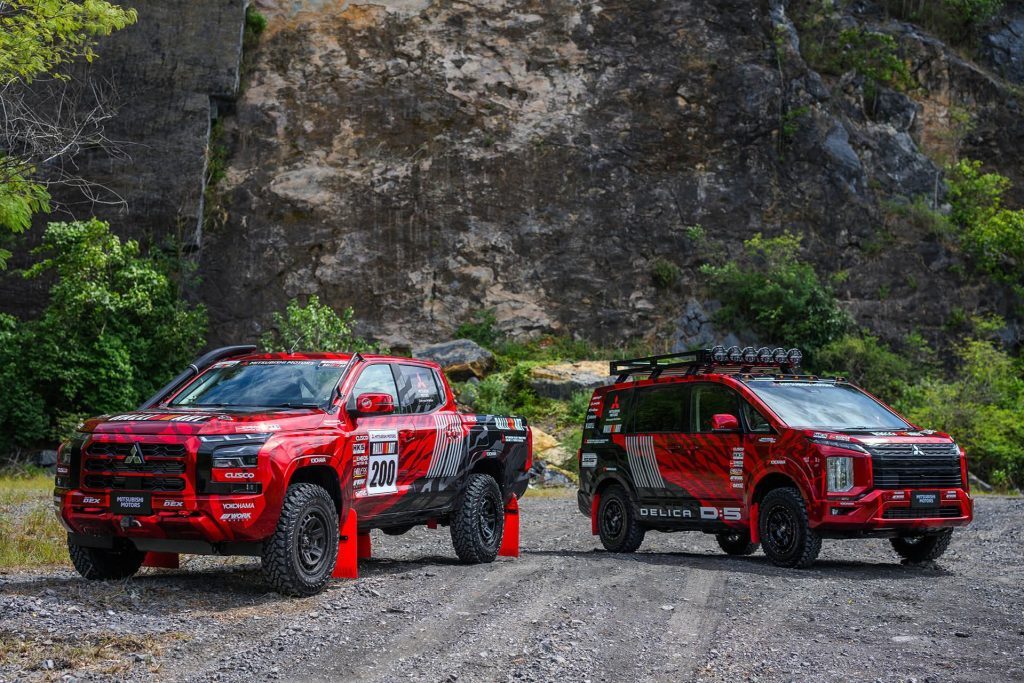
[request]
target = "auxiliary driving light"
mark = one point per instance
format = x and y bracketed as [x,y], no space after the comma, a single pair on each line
[779,355]
[794,356]
[718,354]
[734,355]
[764,355]
[749,355]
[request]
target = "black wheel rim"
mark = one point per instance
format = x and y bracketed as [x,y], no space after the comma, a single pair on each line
[312,542]
[489,521]
[733,539]
[912,540]
[782,529]
[613,518]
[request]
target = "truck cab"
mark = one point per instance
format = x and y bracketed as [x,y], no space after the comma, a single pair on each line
[293,458]
[738,443]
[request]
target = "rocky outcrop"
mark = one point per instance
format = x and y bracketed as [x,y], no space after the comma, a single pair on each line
[461,359]
[563,380]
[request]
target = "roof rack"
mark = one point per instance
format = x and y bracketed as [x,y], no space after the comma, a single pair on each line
[707,360]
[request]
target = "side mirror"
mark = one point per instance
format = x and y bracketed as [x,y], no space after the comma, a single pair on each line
[374,404]
[724,422]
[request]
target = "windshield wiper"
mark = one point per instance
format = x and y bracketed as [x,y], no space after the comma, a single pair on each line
[296,405]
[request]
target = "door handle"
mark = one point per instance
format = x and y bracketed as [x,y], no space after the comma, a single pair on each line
[406,435]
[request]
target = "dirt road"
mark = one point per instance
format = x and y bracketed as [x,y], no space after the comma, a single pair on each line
[678,610]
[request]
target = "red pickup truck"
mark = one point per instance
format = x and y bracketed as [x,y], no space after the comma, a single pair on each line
[292,458]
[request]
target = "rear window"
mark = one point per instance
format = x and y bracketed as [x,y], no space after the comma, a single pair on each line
[417,389]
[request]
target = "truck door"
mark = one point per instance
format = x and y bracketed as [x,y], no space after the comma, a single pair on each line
[718,455]
[657,451]
[376,448]
[432,438]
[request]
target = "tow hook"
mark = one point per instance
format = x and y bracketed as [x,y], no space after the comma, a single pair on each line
[127,522]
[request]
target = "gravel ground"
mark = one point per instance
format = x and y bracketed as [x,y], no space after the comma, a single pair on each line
[678,610]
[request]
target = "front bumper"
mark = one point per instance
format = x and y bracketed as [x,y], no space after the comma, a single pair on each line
[890,512]
[197,522]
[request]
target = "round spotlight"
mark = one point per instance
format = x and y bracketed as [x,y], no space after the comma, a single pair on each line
[718,354]
[764,355]
[794,356]
[779,355]
[734,355]
[749,355]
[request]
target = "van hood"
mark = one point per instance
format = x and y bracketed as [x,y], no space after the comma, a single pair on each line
[190,422]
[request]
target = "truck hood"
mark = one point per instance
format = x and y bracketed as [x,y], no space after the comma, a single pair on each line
[874,438]
[190,422]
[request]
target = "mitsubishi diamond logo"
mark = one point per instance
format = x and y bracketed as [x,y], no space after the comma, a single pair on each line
[134,456]
[916,451]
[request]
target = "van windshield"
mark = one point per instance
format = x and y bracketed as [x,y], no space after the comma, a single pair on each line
[827,406]
[267,383]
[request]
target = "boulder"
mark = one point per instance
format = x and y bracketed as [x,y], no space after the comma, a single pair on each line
[548,448]
[461,359]
[562,380]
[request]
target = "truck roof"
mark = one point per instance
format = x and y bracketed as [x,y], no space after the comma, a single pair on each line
[320,355]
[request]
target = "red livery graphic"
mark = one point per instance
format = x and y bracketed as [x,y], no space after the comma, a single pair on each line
[737,443]
[293,458]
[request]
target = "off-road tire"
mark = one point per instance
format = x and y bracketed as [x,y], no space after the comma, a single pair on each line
[397,530]
[922,548]
[786,535]
[617,525]
[736,542]
[299,557]
[100,564]
[478,523]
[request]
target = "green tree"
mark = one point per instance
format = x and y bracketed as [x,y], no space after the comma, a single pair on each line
[112,332]
[316,327]
[777,296]
[39,38]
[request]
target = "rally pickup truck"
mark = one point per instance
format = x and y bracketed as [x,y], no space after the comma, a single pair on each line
[293,458]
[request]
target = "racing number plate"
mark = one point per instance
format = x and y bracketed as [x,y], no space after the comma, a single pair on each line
[382,470]
[131,503]
[924,499]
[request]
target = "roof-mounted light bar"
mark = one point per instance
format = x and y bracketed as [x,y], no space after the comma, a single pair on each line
[745,359]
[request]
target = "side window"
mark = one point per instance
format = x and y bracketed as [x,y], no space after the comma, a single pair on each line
[375,379]
[756,422]
[417,389]
[708,400]
[662,409]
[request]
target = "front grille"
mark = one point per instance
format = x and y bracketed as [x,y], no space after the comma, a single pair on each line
[945,511]
[158,458]
[106,481]
[899,466]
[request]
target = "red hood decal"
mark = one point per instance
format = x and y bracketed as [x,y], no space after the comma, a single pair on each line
[187,423]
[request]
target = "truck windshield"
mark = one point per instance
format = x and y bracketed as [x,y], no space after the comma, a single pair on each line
[823,405]
[272,383]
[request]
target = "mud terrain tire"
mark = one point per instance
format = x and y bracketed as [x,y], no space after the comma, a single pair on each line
[922,548]
[736,542]
[478,523]
[299,558]
[786,535]
[100,564]
[617,523]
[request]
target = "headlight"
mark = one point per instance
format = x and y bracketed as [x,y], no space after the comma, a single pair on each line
[839,474]
[230,438]
[845,445]
[237,456]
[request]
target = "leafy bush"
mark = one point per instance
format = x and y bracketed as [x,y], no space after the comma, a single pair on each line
[991,235]
[980,407]
[255,21]
[869,363]
[113,331]
[954,20]
[664,272]
[482,329]
[316,327]
[777,296]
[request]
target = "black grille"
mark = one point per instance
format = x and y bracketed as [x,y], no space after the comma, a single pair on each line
[158,458]
[900,466]
[921,513]
[104,481]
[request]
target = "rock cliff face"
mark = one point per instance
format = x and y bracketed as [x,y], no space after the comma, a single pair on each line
[423,161]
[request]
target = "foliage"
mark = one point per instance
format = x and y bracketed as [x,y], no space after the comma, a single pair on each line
[665,273]
[991,235]
[38,38]
[777,296]
[954,20]
[254,20]
[316,327]
[791,120]
[869,363]
[32,535]
[481,329]
[113,331]
[41,36]
[980,407]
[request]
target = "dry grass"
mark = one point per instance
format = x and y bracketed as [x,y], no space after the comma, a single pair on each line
[550,492]
[30,535]
[107,654]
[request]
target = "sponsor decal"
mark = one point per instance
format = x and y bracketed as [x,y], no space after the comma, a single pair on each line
[259,427]
[612,429]
[666,512]
[361,460]
[736,470]
[318,460]
[359,472]
[174,503]
[881,434]
[588,460]
[776,462]
[513,438]
[239,475]
[767,439]
[63,470]
[131,502]
[90,500]
[225,364]
[590,425]
[737,486]
[134,456]
[239,506]
[383,474]
[235,516]
[358,448]
[361,437]
[735,478]
[282,362]
[597,441]
[728,514]
[143,417]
